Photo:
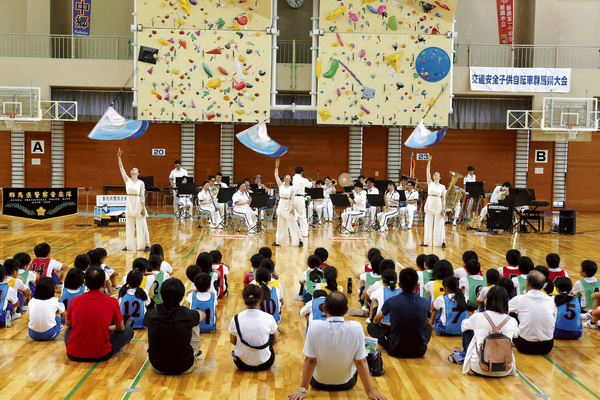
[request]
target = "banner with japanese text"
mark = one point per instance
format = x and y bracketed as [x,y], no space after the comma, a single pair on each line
[505,11]
[524,80]
[41,203]
[82,12]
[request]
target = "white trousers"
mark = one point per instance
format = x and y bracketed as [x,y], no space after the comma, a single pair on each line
[186,203]
[434,230]
[286,222]
[213,214]
[328,211]
[249,216]
[408,213]
[320,207]
[137,225]
[349,216]
[221,208]
[383,217]
[483,213]
[300,211]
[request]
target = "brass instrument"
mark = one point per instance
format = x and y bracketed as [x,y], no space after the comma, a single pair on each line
[385,208]
[453,195]
[334,182]
[214,191]
[503,193]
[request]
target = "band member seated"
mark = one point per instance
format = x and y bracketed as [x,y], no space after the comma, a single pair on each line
[241,206]
[402,184]
[359,207]
[328,189]
[258,181]
[469,177]
[392,198]
[214,187]
[499,193]
[219,177]
[247,182]
[207,204]
[177,172]
[371,189]
[408,212]
[185,202]
[318,205]
[456,210]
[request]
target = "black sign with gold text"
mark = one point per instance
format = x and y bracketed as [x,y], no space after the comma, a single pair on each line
[42,203]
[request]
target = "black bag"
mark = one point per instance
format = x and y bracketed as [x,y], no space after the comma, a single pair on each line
[375,363]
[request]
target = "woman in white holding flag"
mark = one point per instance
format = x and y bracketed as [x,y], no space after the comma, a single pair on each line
[135,210]
[285,219]
[434,231]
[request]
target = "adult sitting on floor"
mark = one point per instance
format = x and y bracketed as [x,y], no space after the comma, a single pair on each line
[95,329]
[176,325]
[409,332]
[537,316]
[335,352]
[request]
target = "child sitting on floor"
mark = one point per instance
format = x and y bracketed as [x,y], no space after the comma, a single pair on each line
[45,312]
[568,311]
[204,301]
[43,265]
[525,267]
[74,286]
[511,270]
[448,311]
[133,299]
[423,274]
[255,264]
[8,298]
[154,262]
[441,270]
[472,284]
[157,249]
[27,276]
[553,265]
[312,277]
[584,288]
[23,293]
[491,276]
[223,270]
[466,257]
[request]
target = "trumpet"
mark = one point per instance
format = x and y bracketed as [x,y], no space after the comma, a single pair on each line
[334,182]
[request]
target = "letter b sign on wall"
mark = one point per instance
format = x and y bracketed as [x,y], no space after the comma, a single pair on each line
[541,156]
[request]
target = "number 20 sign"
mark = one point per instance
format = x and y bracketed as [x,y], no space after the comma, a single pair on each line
[158,152]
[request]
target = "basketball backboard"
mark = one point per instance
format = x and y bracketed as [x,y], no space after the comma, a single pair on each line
[562,114]
[20,102]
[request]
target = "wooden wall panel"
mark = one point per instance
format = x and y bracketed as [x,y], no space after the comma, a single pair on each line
[543,184]
[38,176]
[93,163]
[492,153]
[5,163]
[582,169]
[375,152]
[321,151]
[207,151]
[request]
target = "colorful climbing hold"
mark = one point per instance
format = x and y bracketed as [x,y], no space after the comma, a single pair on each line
[335,13]
[207,70]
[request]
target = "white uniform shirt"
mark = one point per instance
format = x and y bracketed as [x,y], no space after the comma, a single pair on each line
[255,326]
[394,196]
[360,200]
[205,195]
[412,195]
[222,184]
[150,279]
[300,183]
[177,174]
[483,294]
[240,197]
[328,191]
[469,178]
[373,190]
[19,285]
[496,194]
[373,288]
[336,344]
[537,315]
[42,313]
[464,283]
[166,267]
[519,290]
[460,273]
[380,296]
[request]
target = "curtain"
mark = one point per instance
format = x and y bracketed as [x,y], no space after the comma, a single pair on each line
[488,114]
[91,105]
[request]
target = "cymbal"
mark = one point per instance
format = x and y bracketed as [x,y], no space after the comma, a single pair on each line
[270,184]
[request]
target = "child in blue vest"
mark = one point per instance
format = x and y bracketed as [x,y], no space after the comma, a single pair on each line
[73,286]
[271,295]
[525,266]
[448,311]
[8,298]
[45,312]
[389,289]
[568,311]
[585,287]
[133,299]
[205,301]
[313,309]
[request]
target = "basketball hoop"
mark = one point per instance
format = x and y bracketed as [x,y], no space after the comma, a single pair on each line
[9,119]
[573,130]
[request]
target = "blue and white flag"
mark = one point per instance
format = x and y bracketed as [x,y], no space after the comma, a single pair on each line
[112,126]
[257,139]
[423,137]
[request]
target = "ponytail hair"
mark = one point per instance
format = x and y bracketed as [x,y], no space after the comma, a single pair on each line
[564,286]
[315,276]
[330,275]
[134,280]
[390,278]
[263,276]
[452,284]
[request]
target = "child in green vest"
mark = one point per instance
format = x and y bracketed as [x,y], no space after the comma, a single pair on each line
[525,266]
[424,274]
[154,262]
[312,277]
[369,278]
[584,288]
[472,284]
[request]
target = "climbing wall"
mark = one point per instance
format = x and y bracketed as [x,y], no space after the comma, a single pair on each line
[384,62]
[213,60]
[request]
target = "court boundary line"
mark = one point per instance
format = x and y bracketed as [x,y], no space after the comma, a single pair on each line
[69,245]
[137,378]
[386,252]
[87,375]
[197,244]
[571,376]
[530,384]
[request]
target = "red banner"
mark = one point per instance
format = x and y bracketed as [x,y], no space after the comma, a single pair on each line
[505,21]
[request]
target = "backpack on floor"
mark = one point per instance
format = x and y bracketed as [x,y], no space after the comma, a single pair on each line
[495,353]
[375,363]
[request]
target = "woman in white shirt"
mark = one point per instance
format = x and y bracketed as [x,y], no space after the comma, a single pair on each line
[135,209]
[285,219]
[434,231]
[207,204]
[253,332]
[477,328]
[241,206]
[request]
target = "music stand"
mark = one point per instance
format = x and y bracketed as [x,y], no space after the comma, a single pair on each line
[348,189]
[475,191]
[254,191]
[339,200]
[186,189]
[381,186]
[315,194]
[259,200]
[224,196]
[375,200]
[254,186]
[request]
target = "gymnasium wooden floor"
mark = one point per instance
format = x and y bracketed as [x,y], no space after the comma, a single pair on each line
[35,370]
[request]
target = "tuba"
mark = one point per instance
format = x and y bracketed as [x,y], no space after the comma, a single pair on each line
[452,195]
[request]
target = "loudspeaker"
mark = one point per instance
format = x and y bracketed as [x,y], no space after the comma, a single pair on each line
[567,222]
[499,219]
[147,55]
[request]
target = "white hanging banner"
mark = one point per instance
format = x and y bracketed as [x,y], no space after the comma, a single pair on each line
[524,80]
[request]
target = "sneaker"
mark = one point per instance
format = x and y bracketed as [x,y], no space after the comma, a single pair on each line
[356,313]
[365,309]
[298,297]
[443,245]
[368,321]
[198,354]
[275,244]
[454,223]
[24,307]
[125,249]
[300,244]
[16,316]
[586,324]
[146,249]
[587,315]
[410,227]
